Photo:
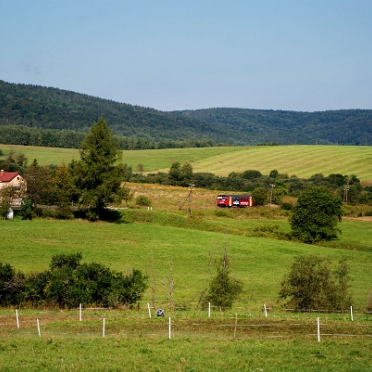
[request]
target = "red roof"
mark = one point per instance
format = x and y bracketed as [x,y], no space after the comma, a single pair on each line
[7,176]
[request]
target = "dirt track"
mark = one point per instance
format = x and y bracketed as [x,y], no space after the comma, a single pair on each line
[365,218]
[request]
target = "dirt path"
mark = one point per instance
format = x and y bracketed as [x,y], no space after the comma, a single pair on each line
[365,218]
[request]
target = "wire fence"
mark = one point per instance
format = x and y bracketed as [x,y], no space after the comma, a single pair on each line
[105,322]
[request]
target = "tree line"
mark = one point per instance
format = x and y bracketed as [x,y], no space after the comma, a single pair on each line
[64,138]
[265,188]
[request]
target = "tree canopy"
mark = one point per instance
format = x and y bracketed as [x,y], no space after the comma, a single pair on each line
[316,214]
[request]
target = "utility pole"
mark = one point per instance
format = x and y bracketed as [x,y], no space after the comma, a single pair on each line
[346,189]
[271,192]
[188,200]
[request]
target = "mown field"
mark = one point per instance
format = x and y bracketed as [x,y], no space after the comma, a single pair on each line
[302,161]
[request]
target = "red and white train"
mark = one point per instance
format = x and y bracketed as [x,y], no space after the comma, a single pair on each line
[234,200]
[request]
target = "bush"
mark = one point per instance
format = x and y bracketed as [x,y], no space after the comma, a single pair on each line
[286,206]
[223,290]
[311,284]
[68,282]
[64,212]
[143,201]
[222,213]
[11,285]
[260,196]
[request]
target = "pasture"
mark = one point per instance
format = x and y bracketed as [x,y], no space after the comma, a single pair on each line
[167,239]
[240,339]
[154,242]
[300,160]
[133,342]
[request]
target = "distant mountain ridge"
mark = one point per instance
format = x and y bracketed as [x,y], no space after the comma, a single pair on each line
[344,127]
[55,109]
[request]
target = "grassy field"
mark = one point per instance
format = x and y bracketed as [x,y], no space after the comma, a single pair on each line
[153,160]
[74,353]
[167,237]
[185,243]
[284,341]
[302,161]
[137,343]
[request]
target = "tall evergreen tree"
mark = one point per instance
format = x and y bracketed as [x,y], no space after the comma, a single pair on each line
[98,178]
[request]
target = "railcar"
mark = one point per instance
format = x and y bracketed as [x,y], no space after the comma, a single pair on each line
[235,200]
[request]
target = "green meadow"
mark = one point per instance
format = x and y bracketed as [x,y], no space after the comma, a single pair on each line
[167,240]
[186,244]
[300,160]
[213,354]
[241,339]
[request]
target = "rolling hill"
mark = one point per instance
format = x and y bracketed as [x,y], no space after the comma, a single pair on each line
[36,107]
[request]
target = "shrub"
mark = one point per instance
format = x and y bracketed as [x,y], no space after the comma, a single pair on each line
[222,213]
[286,206]
[312,285]
[143,200]
[260,196]
[368,213]
[223,290]
[68,282]
[11,285]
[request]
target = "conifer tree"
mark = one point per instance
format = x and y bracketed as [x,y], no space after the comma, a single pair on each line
[97,177]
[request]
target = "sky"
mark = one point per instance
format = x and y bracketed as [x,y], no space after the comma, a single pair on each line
[299,55]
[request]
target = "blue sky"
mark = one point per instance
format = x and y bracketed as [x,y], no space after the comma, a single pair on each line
[172,55]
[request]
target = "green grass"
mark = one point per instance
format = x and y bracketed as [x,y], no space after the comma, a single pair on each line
[284,341]
[153,160]
[280,342]
[139,354]
[259,262]
[168,239]
[302,161]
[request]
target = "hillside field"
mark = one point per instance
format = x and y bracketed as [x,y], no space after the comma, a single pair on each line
[148,239]
[167,238]
[302,161]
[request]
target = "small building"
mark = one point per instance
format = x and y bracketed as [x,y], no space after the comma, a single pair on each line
[18,185]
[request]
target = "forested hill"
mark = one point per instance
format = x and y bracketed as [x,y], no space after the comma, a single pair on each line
[345,127]
[44,111]
[51,108]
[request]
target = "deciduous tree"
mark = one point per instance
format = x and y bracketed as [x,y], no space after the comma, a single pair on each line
[223,289]
[316,215]
[312,285]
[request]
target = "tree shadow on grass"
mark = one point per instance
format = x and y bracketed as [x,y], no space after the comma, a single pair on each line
[107,215]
